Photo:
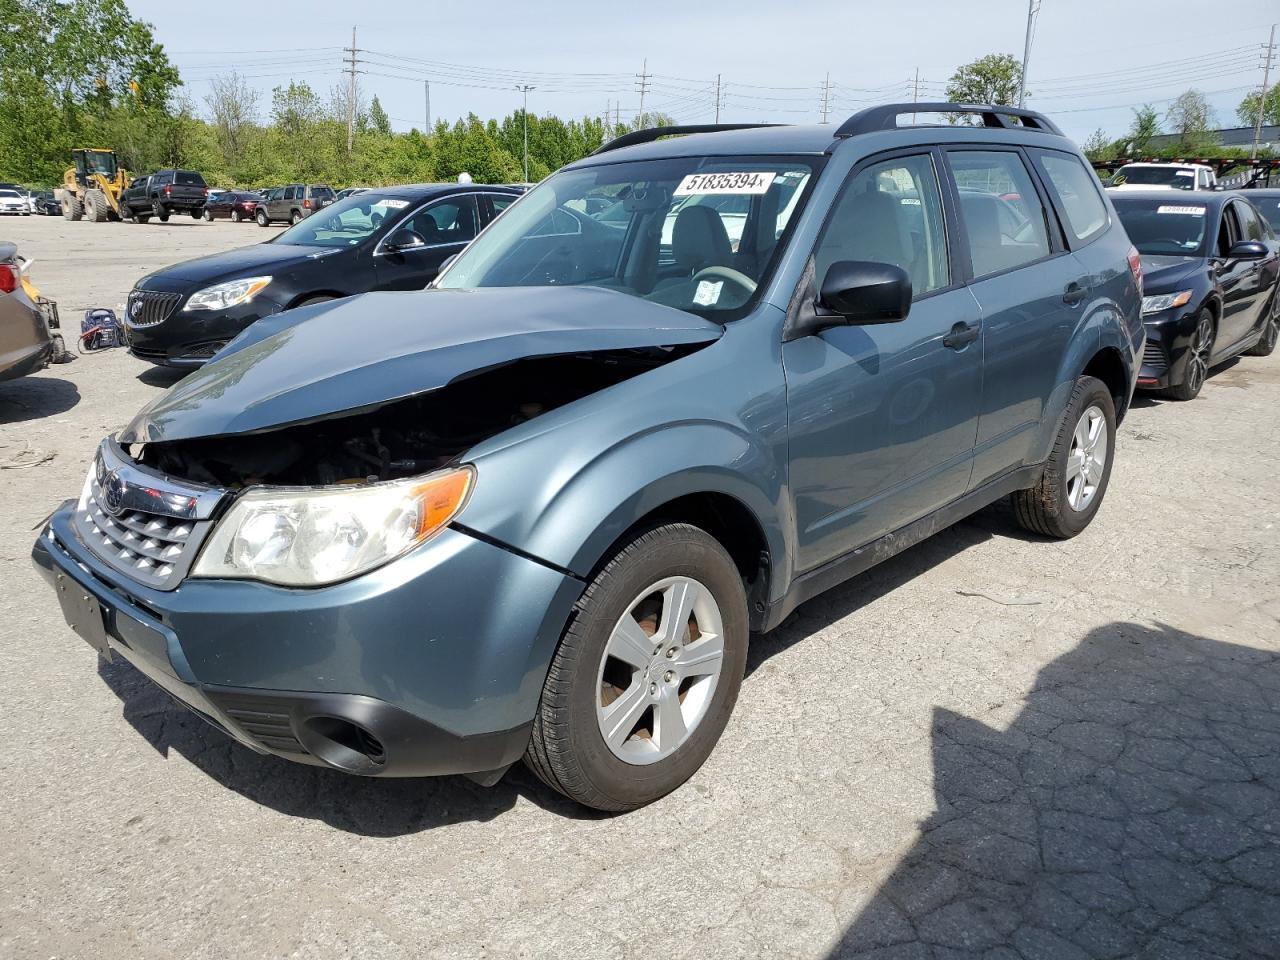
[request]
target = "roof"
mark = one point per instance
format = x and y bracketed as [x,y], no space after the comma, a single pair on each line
[412,191]
[1167,163]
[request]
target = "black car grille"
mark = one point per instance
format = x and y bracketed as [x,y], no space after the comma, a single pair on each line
[146,308]
[264,720]
[150,354]
[1153,357]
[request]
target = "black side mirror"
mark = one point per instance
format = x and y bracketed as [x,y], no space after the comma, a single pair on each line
[1247,250]
[863,292]
[403,239]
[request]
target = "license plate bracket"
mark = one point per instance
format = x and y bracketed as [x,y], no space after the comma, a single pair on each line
[83,614]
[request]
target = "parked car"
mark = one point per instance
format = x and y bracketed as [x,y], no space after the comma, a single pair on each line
[1266,201]
[536,510]
[46,204]
[164,193]
[232,205]
[293,203]
[29,336]
[389,239]
[1210,268]
[1164,176]
[14,203]
[348,192]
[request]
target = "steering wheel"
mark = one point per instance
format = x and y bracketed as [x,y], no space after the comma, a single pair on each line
[735,277]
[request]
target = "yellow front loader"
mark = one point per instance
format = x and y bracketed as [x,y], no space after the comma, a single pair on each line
[93,186]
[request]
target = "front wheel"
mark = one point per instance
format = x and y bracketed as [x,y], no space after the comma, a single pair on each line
[1199,352]
[1270,330]
[1078,470]
[208,215]
[235,216]
[159,212]
[646,674]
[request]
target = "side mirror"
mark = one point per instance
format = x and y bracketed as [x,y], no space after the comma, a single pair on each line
[1247,250]
[403,239]
[863,292]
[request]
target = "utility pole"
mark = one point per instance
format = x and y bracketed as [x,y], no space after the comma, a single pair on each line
[1262,101]
[642,85]
[915,92]
[351,90]
[426,92]
[826,97]
[1033,7]
[525,88]
[717,98]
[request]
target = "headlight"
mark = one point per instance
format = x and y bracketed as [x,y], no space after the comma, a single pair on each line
[309,536]
[228,294]
[1165,301]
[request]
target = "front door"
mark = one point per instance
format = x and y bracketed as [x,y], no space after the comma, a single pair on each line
[444,226]
[882,418]
[1244,294]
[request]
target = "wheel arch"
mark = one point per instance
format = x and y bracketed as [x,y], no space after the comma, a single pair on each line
[1108,365]
[310,294]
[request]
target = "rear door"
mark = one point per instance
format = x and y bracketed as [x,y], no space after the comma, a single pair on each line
[1030,291]
[445,226]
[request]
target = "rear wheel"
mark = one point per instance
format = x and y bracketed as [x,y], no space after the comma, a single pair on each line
[1198,353]
[297,217]
[1078,470]
[262,219]
[208,214]
[1270,330]
[72,208]
[159,212]
[199,212]
[647,673]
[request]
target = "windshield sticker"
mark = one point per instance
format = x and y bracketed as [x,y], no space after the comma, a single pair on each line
[1184,173]
[748,183]
[393,204]
[1192,211]
[708,292]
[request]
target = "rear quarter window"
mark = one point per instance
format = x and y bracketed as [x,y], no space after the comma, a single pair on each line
[1077,193]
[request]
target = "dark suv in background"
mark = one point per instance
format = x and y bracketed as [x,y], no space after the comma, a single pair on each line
[539,509]
[163,193]
[292,203]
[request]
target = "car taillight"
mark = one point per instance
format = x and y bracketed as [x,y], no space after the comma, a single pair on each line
[8,278]
[168,189]
[306,204]
[1135,267]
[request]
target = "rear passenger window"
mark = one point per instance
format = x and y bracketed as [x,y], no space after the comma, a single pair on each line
[890,212]
[1077,192]
[1003,216]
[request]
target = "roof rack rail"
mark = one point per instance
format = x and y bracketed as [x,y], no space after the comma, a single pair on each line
[885,117]
[649,134]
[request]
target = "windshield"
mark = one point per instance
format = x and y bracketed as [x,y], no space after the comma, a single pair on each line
[9,193]
[1180,178]
[696,233]
[345,223]
[1164,229]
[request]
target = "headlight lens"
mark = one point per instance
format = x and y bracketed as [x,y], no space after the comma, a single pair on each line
[310,536]
[228,294]
[1165,301]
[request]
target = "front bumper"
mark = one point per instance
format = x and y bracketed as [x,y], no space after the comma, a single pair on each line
[430,665]
[1164,359]
[190,339]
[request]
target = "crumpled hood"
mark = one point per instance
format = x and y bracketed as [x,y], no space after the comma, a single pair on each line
[1163,274]
[346,355]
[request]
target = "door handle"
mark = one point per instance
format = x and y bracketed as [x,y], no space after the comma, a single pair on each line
[1073,294]
[961,335]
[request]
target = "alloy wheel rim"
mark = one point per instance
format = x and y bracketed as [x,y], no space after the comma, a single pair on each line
[1198,362]
[1087,461]
[1272,332]
[659,670]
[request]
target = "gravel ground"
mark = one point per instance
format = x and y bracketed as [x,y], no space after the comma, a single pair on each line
[989,746]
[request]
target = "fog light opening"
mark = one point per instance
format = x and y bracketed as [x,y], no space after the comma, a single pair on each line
[343,744]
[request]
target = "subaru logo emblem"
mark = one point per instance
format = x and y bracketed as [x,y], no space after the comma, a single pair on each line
[113,489]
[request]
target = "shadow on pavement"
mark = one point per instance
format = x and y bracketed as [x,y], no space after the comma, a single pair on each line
[30,398]
[163,377]
[1130,810]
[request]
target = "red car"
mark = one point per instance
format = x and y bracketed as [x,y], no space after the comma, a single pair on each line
[231,205]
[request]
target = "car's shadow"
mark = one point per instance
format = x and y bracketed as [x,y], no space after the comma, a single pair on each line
[32,398]
[396,807]
[162,377]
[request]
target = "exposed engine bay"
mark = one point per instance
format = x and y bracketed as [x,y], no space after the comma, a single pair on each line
[404,437]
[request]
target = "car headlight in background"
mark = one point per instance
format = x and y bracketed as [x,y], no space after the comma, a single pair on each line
[1165,301]
[310,536]
[228,294]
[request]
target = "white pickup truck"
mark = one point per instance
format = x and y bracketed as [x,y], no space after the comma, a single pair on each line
[1164,176]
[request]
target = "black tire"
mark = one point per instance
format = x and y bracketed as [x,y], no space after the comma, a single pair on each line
[208,214]
[236,216]
[96,205]
[1199,354]
[1266,344]
[72,208]
[197,213]
[140,217]
[296,217]
[262,218]
[567,750]
[159,212]
[1045,508]
[320,298]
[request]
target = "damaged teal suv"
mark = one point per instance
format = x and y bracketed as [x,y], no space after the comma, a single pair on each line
[677,389]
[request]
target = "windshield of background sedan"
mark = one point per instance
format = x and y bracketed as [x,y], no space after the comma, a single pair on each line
[1180,178]
[1162,228]
[696,233]
[345,223]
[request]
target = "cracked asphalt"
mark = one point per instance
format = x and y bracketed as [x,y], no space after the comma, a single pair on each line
[990,746]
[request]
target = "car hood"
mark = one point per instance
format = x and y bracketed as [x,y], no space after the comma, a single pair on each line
[242,262]
[344,356]
[1165,274]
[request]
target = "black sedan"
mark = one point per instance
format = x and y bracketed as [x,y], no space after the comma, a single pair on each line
[1210,265]
[236,205]
[392,238]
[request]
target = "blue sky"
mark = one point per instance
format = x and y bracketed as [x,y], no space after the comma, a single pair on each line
[1092,60]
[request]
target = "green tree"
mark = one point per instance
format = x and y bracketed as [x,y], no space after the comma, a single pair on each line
[1191,118]
[1098,147]
[379,122]
[1146,124]
[1247,112]
[990,79]
[468,146]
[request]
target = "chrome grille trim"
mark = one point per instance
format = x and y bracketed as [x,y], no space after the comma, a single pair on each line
[147,308]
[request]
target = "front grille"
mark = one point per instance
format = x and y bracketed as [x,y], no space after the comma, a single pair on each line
[265,720]
[1154,358]
[149,527]
[146,308]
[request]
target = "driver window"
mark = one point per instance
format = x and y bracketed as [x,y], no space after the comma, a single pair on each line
[1227,230]
[890,213]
